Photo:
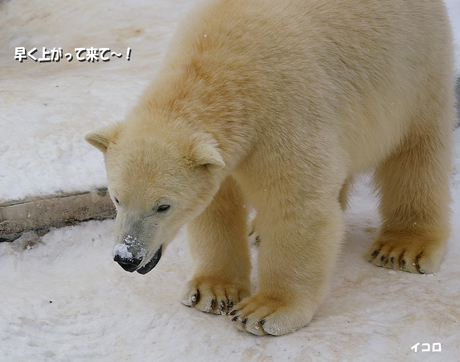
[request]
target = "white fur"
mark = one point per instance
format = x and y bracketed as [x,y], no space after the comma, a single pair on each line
[279,104]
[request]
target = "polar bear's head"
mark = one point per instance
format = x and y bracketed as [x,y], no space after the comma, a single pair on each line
[157,183]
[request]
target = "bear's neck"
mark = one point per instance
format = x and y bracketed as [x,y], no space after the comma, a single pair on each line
[185,104]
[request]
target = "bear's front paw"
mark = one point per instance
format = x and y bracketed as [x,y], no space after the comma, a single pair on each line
[213,297]
[262,315]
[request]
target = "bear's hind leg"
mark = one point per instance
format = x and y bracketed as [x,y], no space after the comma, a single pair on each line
[414,188]
[219,247]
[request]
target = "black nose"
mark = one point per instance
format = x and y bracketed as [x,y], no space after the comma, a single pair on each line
[129,265]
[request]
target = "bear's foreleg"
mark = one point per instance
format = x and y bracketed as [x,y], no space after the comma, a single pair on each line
[219,247]
[297,252]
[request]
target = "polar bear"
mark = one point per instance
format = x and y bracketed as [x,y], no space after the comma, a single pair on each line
[278,105]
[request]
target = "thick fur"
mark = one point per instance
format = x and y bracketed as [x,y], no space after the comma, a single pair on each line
[277,105]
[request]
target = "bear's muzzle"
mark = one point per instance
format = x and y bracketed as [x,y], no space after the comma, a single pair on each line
[132,264]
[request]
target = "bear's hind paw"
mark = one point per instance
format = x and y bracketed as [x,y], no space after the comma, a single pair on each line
[411,254]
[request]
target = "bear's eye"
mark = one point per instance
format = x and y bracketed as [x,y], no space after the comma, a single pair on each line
[116,200]
[163,208]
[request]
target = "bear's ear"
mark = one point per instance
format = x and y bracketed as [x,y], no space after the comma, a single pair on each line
[208,155]
[101,137]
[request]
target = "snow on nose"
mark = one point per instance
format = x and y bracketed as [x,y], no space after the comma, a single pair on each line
[129,253]
[121,251]
[130,248]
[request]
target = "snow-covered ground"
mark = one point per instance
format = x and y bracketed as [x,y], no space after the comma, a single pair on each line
[48,107]
[64,299]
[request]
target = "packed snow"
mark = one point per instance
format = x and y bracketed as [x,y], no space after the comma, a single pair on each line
[63,298]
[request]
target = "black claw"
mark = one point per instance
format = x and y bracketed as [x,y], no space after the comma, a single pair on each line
[230,303]
[244,321]
[213,303]
[417,261]
[235,318]
[375,253]
[393,259]
[233,312]
[262,322]
[382,258]
[401,261]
